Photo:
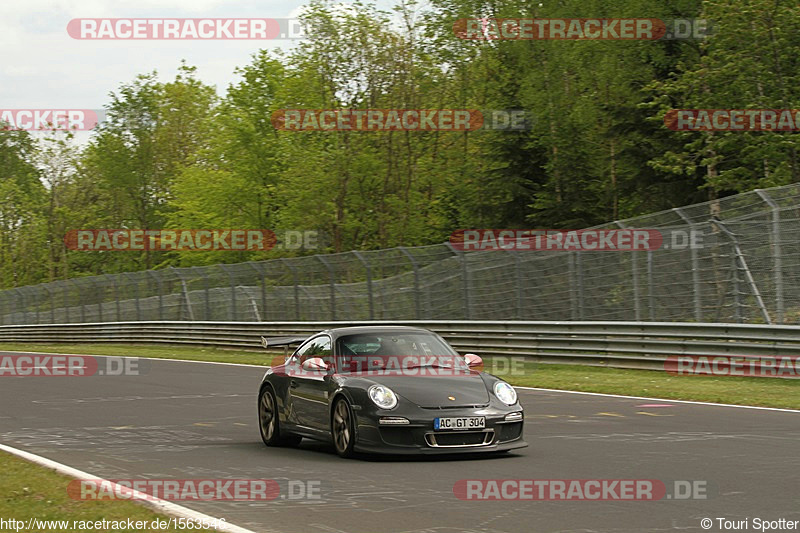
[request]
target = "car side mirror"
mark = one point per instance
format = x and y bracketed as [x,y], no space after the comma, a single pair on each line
[473,360]
[315,364]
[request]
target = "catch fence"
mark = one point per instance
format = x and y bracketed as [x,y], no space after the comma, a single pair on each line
[744,268]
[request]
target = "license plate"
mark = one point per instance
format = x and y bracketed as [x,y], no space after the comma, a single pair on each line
[461,422]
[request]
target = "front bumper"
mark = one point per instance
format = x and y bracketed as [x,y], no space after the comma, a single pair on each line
[419,436]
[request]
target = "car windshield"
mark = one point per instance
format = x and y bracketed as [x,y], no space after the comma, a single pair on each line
[390,351]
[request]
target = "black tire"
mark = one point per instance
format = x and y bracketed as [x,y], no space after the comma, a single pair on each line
[343,428]
[269,421]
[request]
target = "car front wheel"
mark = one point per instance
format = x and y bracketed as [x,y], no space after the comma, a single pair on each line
[342,428]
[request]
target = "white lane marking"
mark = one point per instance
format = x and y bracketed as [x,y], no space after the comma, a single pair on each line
[157,504]
[663,400]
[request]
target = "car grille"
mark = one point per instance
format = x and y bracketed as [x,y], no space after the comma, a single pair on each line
[397,436]
[459,439]
[509,431]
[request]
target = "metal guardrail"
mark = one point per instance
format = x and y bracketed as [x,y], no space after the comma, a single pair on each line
[643,345]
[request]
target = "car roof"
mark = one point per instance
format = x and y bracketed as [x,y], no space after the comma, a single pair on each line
[358,330]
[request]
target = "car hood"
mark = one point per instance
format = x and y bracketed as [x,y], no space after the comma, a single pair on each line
[436,391]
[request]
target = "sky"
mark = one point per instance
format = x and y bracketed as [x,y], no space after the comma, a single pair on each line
[42,67]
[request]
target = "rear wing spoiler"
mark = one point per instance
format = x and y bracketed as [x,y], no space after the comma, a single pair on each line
[274,342]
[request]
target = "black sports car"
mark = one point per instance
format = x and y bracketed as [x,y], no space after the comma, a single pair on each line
[386,389]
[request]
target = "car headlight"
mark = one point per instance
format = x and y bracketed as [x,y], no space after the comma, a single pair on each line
[505,393]
[382,396]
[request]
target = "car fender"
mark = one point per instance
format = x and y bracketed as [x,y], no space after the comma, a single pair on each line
[280,391]
[355,406]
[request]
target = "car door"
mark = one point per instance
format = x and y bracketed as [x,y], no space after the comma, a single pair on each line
[308,389]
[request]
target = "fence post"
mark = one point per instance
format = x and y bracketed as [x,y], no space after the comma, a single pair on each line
[698,305]
[4,307]
[32,301]
[737,301]
[462,256]
[8,308]
[52,297]
[739,255]
[39,299]
[21,304]
[78,289]
[113,280]
[65,285]
[637,305]
[160,293]
[185,291]
[234,314]
[777,264]
[518,283]
[415,266]
[332,283]
[310,298]
[651,302]
[575,276]
[579,268]
[253,303]
[28,302]
[296,283]
[10,301]
[573,303]
[100,293]
[260,272]
[136,296]
[368,272]
[207,291]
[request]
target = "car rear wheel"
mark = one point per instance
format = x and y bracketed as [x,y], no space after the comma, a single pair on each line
[269,422]
[342,428]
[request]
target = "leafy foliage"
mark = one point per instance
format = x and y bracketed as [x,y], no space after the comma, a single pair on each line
[177,154]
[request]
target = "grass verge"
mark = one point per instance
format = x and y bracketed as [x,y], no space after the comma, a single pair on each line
[762,392]
[29,491]
[187,353]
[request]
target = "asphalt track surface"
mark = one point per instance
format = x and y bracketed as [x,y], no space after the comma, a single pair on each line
[184,420]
